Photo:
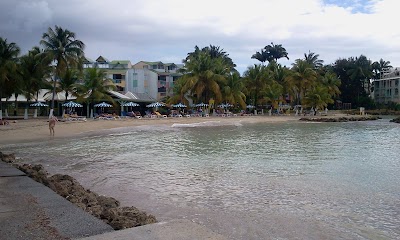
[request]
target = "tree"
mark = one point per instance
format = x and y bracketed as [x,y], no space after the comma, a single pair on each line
[332,83]
[272,93]
[361,71]
[232,91]
[256,78]
[95,87]
[261,56]
[33,70]
[68,82]
[62,47]
[312,59]
[302,78]
[205,75]
[8,58]
[317,97]
[275,52]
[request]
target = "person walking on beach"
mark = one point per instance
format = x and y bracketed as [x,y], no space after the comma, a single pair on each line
[52,124]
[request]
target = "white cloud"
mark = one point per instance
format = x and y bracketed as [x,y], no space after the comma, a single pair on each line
[166,29]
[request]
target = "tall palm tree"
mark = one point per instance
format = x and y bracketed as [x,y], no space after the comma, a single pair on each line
[256,78]
[313,60]
[261,56]
[8,57]
[233,90]
[34,69]
[204,76]
[302,78]
[64,49]
[94,88]
[275,52]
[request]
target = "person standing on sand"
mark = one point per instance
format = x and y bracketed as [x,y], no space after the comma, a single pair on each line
[52,124]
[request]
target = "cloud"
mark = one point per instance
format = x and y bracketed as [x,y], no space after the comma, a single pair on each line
[168,29]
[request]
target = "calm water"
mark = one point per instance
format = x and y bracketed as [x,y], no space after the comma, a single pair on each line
[288,180]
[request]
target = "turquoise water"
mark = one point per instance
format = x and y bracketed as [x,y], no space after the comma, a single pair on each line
[289,180]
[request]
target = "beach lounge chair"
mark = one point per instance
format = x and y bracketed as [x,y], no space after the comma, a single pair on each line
[159,115]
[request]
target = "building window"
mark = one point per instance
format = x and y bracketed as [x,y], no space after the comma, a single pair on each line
[162,89]
[135,83]
[162,78]
[396,91]
[396,83]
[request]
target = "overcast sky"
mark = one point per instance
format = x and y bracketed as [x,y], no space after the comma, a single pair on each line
[166,30]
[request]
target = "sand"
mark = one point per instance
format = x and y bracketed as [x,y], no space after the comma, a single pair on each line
[30,130]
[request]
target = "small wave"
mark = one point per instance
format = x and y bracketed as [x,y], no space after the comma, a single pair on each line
[205,124]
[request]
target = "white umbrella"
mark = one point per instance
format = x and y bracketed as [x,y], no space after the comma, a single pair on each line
[225,105]
[155,104]
[72,104]
[202,105]
[130,104]
[249,106]
[103,104]
[39,104]
[179,105]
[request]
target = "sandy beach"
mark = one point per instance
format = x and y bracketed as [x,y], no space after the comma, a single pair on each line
[38,129]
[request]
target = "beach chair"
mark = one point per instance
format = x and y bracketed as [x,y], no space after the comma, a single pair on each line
[159,115]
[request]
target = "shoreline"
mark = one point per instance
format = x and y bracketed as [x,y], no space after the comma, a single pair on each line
[34,130]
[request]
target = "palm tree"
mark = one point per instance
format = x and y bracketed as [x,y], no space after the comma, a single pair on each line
[8,57]
[261,56]
[204,76]
[68,82]
[272,93]
[302,78]
[332,83]
[275,52]
[313,60]
[94,88]
[64,50]
[233,90]
[256,78]
[34,68]
[318,97]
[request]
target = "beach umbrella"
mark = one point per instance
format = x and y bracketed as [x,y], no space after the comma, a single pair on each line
[225,105]
[130,104]
[202,105]
[155,105]
[249,106]
[71,104]
[39,104]
[103,105]
[179,105]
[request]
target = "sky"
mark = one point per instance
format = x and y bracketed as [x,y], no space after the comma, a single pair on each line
[167,30]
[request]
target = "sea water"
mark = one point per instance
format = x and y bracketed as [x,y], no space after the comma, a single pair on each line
[289,180]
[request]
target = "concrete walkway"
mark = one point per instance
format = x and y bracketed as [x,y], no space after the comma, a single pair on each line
[30,210]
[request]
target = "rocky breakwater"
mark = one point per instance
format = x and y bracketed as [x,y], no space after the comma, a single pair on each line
[105,208]
[396,120]
[339,119]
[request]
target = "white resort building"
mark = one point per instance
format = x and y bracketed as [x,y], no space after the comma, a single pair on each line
[143,81]
[386,89]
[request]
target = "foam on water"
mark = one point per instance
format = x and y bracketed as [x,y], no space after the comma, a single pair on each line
[205,124]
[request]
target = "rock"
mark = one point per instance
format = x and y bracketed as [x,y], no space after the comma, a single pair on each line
[396,120]
[105,208]
[8,158]
[340,119]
